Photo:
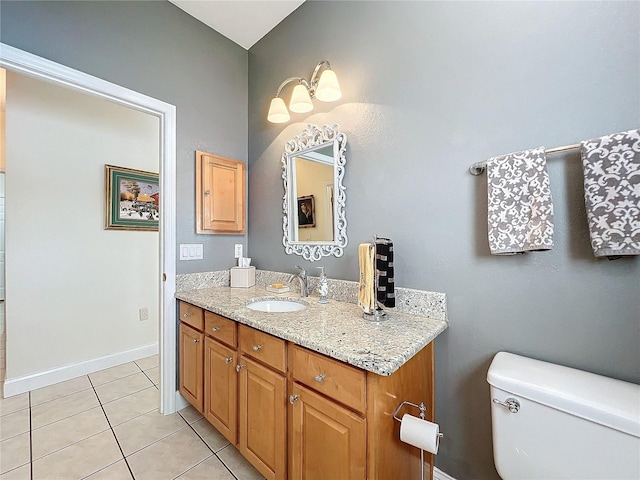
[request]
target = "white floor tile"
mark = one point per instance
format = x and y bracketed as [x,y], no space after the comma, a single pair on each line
[113,373]
[170,457]
[62,389]
[13,404]
[80,459]
[65,432]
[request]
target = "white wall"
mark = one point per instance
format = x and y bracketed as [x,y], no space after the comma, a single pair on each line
[73,289]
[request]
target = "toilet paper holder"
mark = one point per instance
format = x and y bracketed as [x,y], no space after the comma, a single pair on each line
[423,409]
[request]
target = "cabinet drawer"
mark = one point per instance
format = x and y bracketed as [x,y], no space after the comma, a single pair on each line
[191,315]
[220,328]
[263,347]
[334,379]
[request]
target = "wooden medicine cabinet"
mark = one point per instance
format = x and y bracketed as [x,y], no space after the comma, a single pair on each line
[220,195]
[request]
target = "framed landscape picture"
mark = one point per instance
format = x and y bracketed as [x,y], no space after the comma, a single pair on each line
[132,199]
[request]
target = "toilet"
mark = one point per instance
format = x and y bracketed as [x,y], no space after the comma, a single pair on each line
[551,422]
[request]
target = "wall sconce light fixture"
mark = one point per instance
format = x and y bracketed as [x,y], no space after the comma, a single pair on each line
[325,89]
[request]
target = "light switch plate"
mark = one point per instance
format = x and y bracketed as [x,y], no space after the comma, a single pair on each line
[191,251]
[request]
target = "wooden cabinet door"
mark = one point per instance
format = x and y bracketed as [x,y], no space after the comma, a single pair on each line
[191,358]
[327,440]
[262,418]
[220,388]
[220,195]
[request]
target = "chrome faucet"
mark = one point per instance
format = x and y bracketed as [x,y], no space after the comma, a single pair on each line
[302,277]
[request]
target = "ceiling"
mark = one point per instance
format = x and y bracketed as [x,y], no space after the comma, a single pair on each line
[243,21]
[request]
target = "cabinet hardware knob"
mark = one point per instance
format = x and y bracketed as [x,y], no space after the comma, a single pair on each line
[239,367]
[186,315]
[215,329]
[320,378]
[196,340]
[293,398]
[207,192]
[257,347]
[228,360]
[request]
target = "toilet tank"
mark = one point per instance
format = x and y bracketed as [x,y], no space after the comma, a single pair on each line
[570,424]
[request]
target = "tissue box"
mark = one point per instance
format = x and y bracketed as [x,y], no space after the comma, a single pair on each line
[243,277]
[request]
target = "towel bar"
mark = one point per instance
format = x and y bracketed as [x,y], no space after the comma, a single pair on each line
[479,167]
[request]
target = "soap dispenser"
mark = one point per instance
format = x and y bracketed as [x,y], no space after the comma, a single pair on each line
[323,287]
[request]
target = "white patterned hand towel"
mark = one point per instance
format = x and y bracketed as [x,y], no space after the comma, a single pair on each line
[612,192]
[520,206]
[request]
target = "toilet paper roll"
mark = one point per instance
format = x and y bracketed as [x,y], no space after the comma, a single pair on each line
[420,433]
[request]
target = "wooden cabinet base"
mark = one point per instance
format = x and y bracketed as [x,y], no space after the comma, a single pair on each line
[297,414]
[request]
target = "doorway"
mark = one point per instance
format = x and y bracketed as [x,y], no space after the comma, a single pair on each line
[22,62]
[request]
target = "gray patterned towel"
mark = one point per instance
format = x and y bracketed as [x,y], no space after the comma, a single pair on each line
[612,192]
[520,206]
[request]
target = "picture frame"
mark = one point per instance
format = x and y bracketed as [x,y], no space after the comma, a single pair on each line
[132,199]
[306,212]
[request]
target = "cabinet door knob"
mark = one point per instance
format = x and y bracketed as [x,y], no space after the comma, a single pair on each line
[196,340]
[215,329]
[293,398]
[207,192]
[320,378]
[186,315]
[239,367]
[228,360]
[257,347]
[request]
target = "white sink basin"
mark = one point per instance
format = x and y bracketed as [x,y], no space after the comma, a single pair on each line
[277,305]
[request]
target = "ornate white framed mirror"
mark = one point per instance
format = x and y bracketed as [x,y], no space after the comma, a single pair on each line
[313,165]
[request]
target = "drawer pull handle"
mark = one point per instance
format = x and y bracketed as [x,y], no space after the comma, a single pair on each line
[257,348]
[186,315]
[228,360]
[195,340]
[239,367]
[215,329]
[293,398]
[320,378]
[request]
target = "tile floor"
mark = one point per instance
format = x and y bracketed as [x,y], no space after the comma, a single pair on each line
[106,425]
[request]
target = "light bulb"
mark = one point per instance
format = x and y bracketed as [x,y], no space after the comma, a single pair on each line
[278,111]
[328,89]
[300,100]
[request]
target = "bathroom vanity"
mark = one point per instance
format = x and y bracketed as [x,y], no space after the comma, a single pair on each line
[307,394]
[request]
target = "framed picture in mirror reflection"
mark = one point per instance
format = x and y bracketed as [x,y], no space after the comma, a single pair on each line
[306,212]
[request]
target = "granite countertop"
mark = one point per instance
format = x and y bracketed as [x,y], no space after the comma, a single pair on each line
[335,329]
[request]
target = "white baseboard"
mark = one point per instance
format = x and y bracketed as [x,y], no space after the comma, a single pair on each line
[15,386]
[440,475]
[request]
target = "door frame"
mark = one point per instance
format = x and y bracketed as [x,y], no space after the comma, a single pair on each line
[17,60]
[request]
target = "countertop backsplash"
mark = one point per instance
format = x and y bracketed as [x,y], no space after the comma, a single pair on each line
[411,301]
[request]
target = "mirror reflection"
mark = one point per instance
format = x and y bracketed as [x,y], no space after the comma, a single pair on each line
[314,220]
[314,195]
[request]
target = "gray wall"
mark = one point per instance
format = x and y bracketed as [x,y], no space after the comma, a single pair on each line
[157,49]
[430,88]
